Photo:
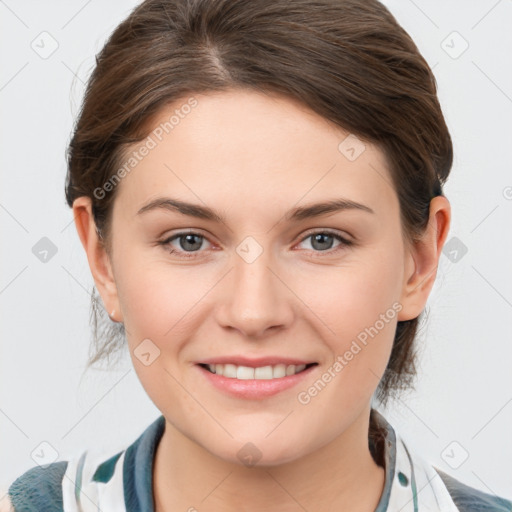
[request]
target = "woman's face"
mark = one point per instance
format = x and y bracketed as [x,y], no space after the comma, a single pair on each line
[271,279]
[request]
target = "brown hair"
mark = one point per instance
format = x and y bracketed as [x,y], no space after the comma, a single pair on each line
[347,60]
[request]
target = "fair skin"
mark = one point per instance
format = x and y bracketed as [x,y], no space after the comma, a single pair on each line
[252,158]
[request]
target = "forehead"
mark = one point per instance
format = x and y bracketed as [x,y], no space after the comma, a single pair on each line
[252,149]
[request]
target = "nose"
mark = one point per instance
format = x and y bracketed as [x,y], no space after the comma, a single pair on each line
[255,299]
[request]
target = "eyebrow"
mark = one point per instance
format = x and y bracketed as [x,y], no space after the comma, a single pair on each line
[296,214]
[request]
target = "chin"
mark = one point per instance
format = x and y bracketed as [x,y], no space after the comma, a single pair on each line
[258,453]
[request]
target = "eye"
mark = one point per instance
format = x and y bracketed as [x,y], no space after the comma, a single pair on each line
[321,241]
[190,242]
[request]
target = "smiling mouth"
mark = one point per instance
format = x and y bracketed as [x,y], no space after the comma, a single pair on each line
[269,372]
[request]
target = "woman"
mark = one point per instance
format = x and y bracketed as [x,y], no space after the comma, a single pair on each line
[220,145]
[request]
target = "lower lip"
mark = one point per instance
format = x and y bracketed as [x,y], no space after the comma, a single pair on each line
[255,388]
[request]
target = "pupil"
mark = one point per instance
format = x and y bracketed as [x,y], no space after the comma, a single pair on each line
[187,241]
[320,237]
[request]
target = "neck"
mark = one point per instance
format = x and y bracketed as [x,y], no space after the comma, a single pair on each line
[342,475]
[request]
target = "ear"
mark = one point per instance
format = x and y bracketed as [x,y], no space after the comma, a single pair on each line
[99,260]
[422,260]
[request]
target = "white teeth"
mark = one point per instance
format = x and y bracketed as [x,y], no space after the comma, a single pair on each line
[229,371]
[244,373]
[277,371]
[263,372]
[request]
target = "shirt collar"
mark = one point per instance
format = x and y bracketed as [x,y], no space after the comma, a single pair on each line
[138,466]
[130,475]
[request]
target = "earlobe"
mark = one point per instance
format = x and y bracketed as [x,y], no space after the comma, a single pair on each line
[422,260]
[97,256]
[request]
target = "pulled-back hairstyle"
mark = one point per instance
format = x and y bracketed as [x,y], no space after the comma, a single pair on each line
[347,60]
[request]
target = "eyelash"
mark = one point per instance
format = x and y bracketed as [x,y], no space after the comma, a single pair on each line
[188,255]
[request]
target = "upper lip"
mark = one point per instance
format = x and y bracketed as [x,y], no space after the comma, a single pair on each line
[254,362]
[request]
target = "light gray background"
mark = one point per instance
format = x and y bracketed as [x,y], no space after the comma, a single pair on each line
[462,406]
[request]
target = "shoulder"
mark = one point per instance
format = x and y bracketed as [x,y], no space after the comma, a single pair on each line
[56,486]
[48,487]
[433,488]
[39,488]
[469,499]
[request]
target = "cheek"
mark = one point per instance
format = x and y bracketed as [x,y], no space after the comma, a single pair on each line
[155,299]
[149,290]
[158,305]
[352,295]
[163,302]
[356,307]
[144,298]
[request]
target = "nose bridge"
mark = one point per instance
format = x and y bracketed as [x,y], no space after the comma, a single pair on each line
[257,299]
